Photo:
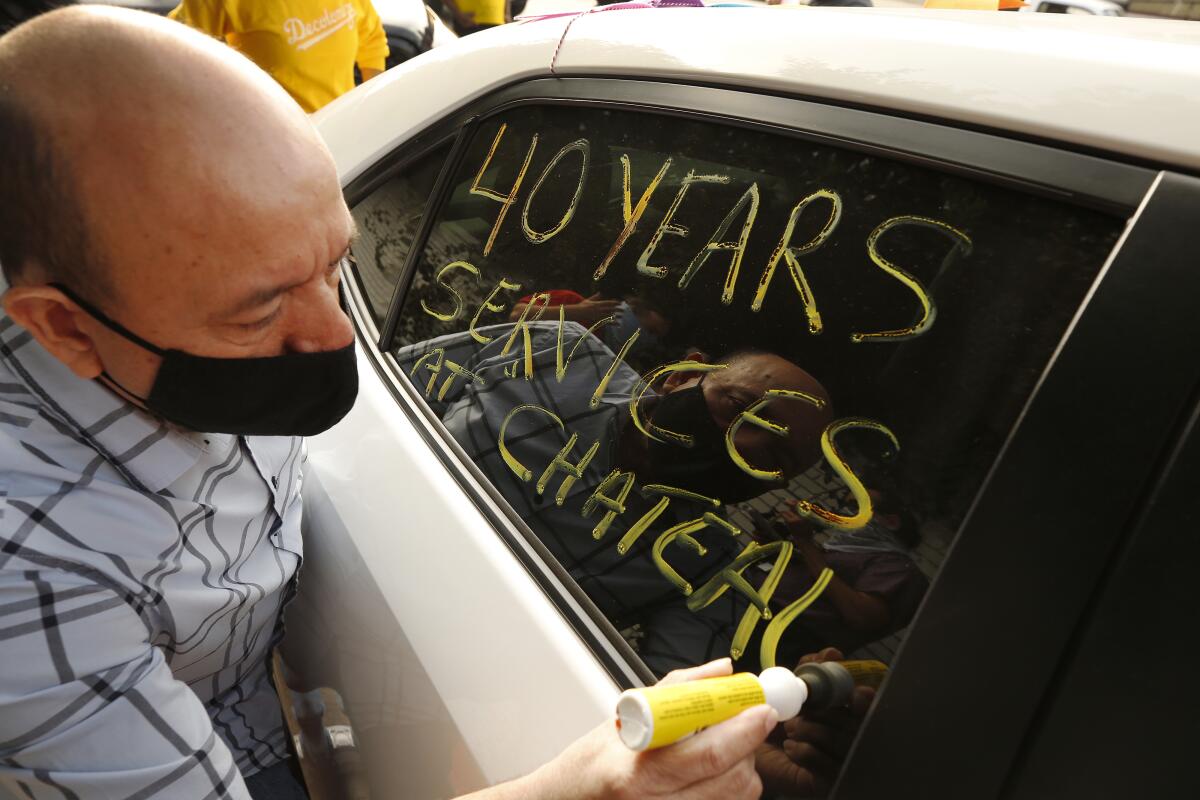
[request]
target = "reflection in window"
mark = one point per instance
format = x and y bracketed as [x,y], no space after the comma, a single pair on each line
[387,221]
[743,387]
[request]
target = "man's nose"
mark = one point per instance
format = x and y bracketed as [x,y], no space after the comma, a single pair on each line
[318,322]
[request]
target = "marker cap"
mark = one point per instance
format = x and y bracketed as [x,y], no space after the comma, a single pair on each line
[635,722]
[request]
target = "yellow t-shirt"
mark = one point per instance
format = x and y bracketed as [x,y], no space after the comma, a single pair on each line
[309,46]
[484,12]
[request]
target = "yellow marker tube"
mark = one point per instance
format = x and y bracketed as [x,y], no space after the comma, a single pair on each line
[661,715]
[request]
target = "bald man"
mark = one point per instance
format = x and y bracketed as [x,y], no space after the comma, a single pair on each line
[172,229]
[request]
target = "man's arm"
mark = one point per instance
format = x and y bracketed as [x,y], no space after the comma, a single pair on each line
[372,42]
[718,762]
[862,611]
[88,708]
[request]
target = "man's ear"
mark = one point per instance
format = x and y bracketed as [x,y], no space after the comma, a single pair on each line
[54,320]
[674,380]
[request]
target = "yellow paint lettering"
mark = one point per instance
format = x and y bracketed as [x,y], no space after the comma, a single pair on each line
[781,621]
[810,509]
[750,415]
[443,282]
[456,371]
[613,505]
[638,528]
[580,146]
[653,431]
[612,370]
[732,578]
[574,471]
[791,254]
[519,469]
[632,215]
[488,305]
[668,226]
[540,301]
[506,201]
[431,361]
[716,242]
[962,243]
[560,366]
[682,533]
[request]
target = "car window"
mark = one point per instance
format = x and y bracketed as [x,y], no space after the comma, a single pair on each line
[742,386]
[387,221]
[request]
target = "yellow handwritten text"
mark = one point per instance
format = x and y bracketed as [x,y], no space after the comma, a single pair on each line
[488,305]
[519,469]
[732,578]
[631,215]
[614,505]
[580,146]
[928,311]
[861,497]
[643,386]
[506,200]
[442,281]
[435,361]
[751,416]
[668,226]
[774,631]
[791,255]
[738,246]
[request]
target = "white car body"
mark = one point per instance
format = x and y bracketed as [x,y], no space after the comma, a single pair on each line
[483,671]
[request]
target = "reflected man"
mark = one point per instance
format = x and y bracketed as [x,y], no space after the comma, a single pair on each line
[511,412]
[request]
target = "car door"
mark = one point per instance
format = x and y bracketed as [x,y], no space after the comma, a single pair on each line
[958,299]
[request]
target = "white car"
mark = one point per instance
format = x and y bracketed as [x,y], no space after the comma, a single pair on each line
[954,253]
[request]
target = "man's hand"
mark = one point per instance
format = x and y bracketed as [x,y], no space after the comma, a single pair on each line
[715,764]
[807,760]
[797,525]
[590,311]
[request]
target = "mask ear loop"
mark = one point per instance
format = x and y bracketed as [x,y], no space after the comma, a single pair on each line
[105,377]
[112,383]
[109,322]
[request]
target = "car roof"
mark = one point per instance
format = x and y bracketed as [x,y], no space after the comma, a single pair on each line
[1127,86]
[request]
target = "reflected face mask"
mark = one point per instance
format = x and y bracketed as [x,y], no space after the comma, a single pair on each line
[295,394]
[705,467]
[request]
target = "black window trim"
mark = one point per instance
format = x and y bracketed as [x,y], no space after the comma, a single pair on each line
[1085,179]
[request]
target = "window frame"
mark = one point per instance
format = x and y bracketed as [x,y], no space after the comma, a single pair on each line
[972,739]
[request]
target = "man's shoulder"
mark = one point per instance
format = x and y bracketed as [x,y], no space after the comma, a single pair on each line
[57,493]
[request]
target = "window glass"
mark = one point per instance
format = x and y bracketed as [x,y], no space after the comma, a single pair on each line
[387,222]
[743,386]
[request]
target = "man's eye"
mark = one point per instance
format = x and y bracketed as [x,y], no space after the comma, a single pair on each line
[738,402]
[259,324]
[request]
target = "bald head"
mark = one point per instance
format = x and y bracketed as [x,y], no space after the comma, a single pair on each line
[154,131]
[190,198]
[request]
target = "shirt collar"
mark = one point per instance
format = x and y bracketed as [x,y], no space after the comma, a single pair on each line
[148,451]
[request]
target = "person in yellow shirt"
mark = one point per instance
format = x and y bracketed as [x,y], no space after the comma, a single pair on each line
[475,15]
[309,46]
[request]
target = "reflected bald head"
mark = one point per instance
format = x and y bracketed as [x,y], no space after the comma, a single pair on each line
[154,138]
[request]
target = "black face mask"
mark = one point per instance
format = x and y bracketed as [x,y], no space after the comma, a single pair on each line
[705,467]
[297,394]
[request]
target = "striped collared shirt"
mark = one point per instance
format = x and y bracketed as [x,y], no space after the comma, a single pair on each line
[143,570]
